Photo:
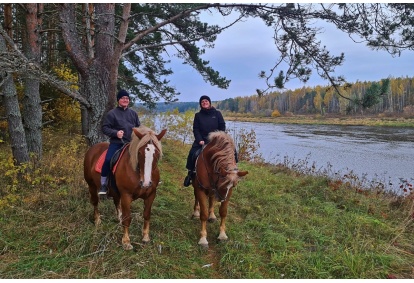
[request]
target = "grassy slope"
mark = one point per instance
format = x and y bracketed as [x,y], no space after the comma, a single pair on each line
[280,225]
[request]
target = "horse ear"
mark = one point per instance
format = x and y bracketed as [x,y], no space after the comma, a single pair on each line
[137,133]
[160,135]
[242,173]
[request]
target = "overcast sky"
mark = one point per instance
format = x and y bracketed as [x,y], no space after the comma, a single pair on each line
[247,48]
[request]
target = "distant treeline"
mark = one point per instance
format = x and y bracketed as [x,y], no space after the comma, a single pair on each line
[164,107]
[399,98]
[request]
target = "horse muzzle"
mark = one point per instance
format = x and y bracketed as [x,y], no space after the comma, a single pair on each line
[145,185]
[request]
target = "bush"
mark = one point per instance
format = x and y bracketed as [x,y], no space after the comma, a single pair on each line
[275,113]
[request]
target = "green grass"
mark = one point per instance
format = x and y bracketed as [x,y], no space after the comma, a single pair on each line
[281,224]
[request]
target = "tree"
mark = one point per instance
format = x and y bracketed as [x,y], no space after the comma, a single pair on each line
[14,119]
[32,108]
[373,93]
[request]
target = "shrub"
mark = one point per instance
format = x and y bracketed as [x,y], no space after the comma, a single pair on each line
[275,113]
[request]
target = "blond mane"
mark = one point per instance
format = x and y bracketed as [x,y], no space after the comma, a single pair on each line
[136,143]
[223,144]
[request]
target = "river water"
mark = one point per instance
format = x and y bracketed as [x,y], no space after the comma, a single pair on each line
[374,155]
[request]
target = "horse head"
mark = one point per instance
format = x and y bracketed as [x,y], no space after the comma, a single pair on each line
[145,153]
[228,179]
[219,166]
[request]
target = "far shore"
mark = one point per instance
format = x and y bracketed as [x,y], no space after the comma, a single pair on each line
[328,120]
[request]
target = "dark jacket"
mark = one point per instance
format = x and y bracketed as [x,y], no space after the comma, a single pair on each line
[205,122]
[120,119]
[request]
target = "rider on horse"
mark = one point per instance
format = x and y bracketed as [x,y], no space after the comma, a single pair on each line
[207,120]
[117,125]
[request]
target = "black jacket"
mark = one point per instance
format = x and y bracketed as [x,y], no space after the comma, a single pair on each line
[120,119]
[205,122]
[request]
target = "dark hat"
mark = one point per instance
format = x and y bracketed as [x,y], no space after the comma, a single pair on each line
[204,97]
[121,93]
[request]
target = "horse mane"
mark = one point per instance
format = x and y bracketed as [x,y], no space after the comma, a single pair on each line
[136,143]
[223,145]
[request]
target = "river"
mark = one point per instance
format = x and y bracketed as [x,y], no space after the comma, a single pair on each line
[374,155]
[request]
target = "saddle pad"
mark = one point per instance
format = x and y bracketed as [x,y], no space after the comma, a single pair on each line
[100,162]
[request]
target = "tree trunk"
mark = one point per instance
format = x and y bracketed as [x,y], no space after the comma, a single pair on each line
[14,118]
[99,69]
[32,108]
[95,89]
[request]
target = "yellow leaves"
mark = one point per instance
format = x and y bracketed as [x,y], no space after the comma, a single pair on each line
[67,110]
[275,113]
[66,74]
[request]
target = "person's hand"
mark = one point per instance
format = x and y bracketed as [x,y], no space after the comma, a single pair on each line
[201,143]
[120,134]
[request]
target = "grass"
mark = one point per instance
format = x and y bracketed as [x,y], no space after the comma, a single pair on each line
[281,224]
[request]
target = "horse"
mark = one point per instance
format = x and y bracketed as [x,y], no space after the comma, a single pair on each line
[136,176]
[216,176]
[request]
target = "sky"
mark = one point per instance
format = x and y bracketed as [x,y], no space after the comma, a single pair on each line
[247,48]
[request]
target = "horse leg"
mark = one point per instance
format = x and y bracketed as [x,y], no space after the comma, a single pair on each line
[147,215]
[94,199]
[223,214]
[118,211]
[202,200]
[96,215]
[211,216]
[126,221]
[196,212]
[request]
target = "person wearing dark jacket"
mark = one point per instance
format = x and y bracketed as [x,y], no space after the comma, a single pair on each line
[207,120]
[117,125]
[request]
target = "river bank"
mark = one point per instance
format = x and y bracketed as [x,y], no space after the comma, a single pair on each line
[327,120]
[372,156]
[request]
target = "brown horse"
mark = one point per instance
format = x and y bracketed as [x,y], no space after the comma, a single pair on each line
[136,176]
[216,175]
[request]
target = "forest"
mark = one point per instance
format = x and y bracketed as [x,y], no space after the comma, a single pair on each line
[397,100]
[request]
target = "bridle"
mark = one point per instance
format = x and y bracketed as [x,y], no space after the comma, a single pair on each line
[213,184]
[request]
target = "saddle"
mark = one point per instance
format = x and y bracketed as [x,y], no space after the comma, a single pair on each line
[195,156]
[114,160]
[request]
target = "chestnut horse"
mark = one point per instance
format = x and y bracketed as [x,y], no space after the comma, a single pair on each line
[136,176]
[216,175]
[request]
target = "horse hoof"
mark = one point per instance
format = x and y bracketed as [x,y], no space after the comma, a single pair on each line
[222,237]
[204,246]
[98,221]
[212,220]
[127,247]
[203,243]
